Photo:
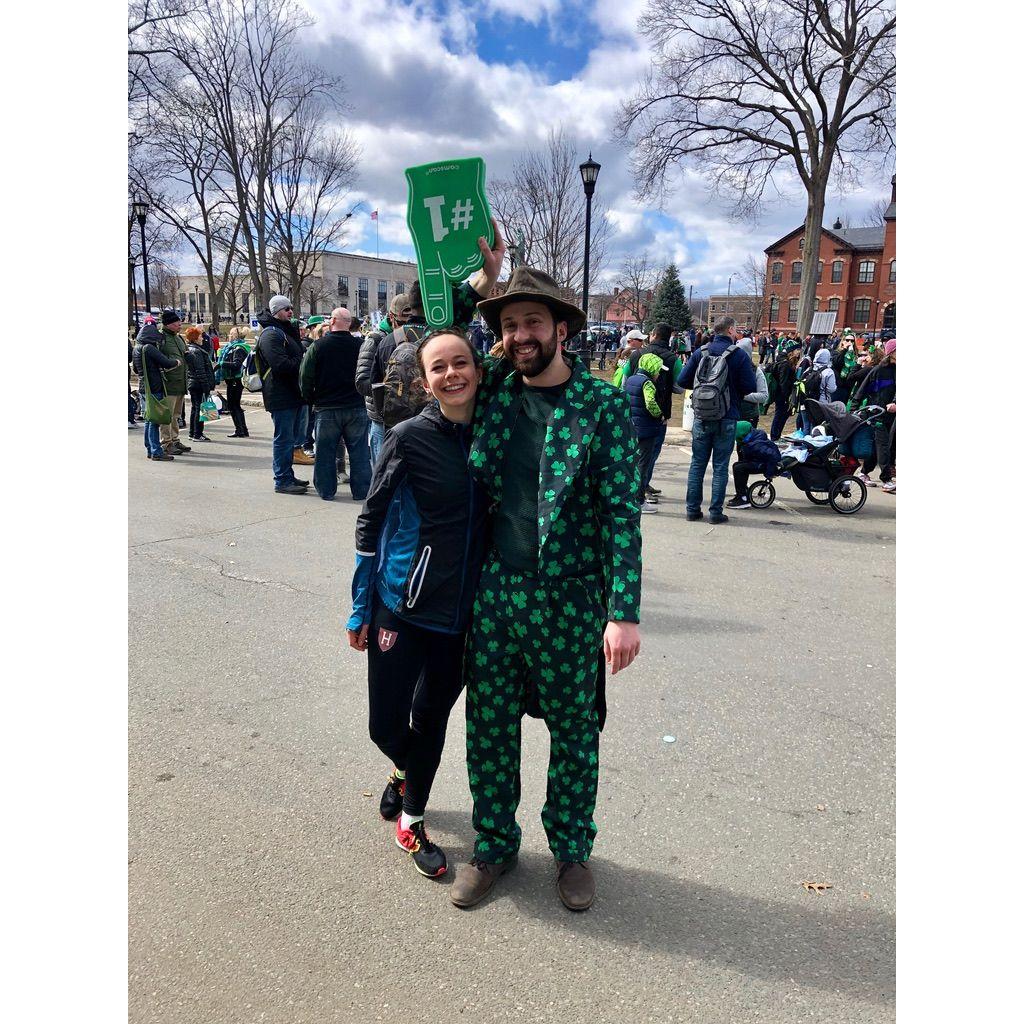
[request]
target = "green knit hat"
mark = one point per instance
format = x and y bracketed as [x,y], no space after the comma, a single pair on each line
[743,427]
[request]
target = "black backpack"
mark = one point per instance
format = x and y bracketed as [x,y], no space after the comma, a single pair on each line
[710,398]
[811,382]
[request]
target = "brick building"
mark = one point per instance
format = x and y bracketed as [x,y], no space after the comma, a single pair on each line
[856,275]
[745,309]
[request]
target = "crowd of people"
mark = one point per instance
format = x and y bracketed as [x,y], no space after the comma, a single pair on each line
[502,486]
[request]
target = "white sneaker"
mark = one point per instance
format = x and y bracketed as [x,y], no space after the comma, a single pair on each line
[868,482]
[648,507]
[889,487]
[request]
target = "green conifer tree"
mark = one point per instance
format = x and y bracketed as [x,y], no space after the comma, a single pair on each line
[670,305]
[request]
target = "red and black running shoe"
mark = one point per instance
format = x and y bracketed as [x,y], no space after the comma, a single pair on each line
[391,798]
[427,858]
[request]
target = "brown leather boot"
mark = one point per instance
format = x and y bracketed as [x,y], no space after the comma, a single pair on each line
[575,884]
[474,880]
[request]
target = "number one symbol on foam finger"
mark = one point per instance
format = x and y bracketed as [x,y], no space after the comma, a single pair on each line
[434,205]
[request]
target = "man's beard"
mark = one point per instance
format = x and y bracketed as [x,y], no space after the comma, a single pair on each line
[544,356]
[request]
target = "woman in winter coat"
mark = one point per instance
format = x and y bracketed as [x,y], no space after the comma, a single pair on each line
[879,388]
[148,362]
[750,405]
[199,380]
[784,372]
[420,542]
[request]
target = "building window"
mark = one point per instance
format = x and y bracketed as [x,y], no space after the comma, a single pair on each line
[794,305]
[866,272]
[202,305]
[713,307]
[797,273]
[892,272]
[862,310]
[773,312]
[821,267]
[776,273]
[837,271]
[382,295]
[817,304]
[364,295]
[400,288]
[181,300]
[833,305]
[801,245]
[342,287]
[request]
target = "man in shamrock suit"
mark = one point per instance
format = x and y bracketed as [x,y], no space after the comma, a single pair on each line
[556,451]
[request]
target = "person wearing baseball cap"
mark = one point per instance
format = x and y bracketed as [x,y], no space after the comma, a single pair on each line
[279,354]
[175,384]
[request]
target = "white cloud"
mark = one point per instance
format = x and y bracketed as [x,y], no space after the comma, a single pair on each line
[418,92]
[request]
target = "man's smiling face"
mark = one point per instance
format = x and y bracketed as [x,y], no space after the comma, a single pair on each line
[531,337]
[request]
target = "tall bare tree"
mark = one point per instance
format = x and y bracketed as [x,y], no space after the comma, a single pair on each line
[753,274]
[314,170]
[753,90]
[242,58]
[637,280]
[544,200]
[180,172]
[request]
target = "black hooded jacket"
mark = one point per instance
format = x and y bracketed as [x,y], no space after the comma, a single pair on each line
[280,355]
[147,346]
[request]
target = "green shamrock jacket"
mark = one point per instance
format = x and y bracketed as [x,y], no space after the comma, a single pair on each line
[589,486]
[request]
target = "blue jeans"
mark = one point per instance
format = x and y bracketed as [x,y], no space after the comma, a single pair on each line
[376,440]
[152,438]
[332,427]
[287,437]
[659,441]
[712,441]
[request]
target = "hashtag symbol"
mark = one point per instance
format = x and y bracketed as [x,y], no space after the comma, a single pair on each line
[461,214]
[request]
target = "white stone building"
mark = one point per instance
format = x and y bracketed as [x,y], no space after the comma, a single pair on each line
[362,283]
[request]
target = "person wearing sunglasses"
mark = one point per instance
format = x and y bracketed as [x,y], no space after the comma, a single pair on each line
[279,354]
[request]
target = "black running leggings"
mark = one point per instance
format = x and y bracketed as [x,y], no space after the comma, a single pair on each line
[195,424]
[415,679]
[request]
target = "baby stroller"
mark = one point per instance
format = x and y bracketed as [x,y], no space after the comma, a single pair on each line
[825,474]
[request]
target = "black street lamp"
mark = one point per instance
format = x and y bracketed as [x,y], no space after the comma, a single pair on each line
[135,299]
[140,209]
[589,172]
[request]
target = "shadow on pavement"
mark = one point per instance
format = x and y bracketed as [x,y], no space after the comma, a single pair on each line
[838,949]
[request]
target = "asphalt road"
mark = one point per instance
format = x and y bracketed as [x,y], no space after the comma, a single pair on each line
[264,886]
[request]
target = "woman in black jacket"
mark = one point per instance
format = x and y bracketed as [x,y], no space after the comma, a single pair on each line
[419,549]
[148,361]
[784,373]
[199,380]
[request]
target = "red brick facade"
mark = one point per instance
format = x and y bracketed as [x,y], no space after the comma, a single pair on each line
[863,260]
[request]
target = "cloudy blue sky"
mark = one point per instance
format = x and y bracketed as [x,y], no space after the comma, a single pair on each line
[433,79]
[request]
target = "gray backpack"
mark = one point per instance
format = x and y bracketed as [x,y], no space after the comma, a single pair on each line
[403,394]
[710,399]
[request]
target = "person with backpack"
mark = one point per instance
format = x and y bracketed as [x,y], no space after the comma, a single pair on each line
[395,379]
[420,542]
[647,416]
[278,355]
[757,455]
[149,362]
[199,380]
[720,374]
[398,313]
[229,368]
[327,382]
[817,382]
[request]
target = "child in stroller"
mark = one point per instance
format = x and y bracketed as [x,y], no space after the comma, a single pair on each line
[815,463]
[758,455]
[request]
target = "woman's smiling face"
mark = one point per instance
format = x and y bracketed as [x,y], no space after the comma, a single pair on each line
[449,372]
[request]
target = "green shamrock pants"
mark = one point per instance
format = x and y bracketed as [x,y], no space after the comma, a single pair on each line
[527,631]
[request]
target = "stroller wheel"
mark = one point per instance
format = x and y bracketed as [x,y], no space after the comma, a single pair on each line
[847,495]
[817,497]
[761,494]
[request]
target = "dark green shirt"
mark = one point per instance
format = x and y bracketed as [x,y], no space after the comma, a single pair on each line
[516,531]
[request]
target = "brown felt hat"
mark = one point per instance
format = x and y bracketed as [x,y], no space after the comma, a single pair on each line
[529,285]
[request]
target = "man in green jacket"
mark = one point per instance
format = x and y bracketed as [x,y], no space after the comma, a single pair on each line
[173,347]
[555,449]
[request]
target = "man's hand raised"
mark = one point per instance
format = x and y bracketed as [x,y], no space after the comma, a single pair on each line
[487,277]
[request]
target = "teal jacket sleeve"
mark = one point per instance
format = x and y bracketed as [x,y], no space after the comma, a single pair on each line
[614,465]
